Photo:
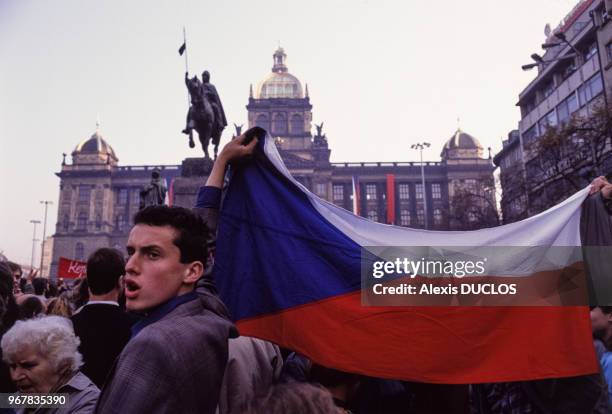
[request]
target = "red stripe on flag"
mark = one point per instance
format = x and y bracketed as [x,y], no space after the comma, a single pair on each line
[390,198]
[451,345]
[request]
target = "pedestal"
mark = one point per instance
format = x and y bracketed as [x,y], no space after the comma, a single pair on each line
[194,173]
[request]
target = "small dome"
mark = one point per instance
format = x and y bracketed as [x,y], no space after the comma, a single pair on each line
[461,146]
[95,145]
[462,140]
[280,83]
[94,151]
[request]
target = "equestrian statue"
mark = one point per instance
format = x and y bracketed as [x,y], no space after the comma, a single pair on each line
[205,115]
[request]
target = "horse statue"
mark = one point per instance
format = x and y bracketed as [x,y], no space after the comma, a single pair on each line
[205,114]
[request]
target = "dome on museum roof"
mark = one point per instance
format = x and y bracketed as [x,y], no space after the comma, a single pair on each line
[95,145]
[462,140]
[280,83]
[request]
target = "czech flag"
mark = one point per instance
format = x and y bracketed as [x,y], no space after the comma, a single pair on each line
[288,266]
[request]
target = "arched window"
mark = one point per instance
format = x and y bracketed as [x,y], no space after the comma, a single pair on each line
[279,124]
[263,122]
[79,251]
[297,124]
[98,222]
[66,222]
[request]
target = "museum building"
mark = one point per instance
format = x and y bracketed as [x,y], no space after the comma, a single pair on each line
[98,197]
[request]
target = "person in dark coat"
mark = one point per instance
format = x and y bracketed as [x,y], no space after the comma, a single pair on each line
[102,327]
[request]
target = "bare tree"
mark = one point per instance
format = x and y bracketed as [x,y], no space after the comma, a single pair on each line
[575,151]
[567,157]
[473,207]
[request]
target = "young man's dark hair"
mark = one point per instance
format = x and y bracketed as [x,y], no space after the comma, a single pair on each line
[104,268]
[192,232]
[40,285]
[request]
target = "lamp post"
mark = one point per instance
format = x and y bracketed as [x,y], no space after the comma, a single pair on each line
[540,61]
[419,146]
[34,222]
[563,39]
[42,249]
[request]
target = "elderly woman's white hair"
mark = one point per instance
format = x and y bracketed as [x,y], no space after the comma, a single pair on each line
[52,337]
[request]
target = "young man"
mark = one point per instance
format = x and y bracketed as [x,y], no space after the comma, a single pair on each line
[177,355]
[102,327]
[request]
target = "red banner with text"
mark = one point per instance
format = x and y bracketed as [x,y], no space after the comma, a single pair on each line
[71,269]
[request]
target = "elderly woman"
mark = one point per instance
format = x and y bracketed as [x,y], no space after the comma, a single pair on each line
[43,358]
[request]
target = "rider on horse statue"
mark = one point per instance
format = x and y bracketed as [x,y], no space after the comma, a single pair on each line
[206,113]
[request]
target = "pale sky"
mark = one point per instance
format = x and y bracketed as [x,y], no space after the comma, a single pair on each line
[381,74]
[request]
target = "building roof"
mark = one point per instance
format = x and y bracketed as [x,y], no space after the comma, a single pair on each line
[280,83]
[462,140]
[94,145]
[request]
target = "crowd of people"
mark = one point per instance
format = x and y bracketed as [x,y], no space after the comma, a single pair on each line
[148,334]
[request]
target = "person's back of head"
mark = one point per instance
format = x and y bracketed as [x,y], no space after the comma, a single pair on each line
[342,385]
[52,290]
[105,267]
[59,306]
[80,293]
[30,308]
[294,398]
[40,286]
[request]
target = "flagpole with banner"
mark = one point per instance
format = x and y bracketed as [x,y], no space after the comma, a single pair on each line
[183,50]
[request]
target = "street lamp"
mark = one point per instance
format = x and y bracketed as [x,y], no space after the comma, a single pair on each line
[563,39]
[34,222]
[419,146]
[540,61]
[537,58]
[42,249]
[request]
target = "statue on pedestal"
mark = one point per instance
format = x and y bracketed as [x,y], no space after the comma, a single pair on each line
[153,194]
[205,114]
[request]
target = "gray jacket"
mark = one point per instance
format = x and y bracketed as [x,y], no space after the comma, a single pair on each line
[253,366]
[174,365]
[82,397]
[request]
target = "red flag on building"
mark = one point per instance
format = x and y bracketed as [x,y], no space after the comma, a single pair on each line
[71,269]
[356,200]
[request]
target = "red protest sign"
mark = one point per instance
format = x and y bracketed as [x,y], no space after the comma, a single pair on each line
[71,269]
